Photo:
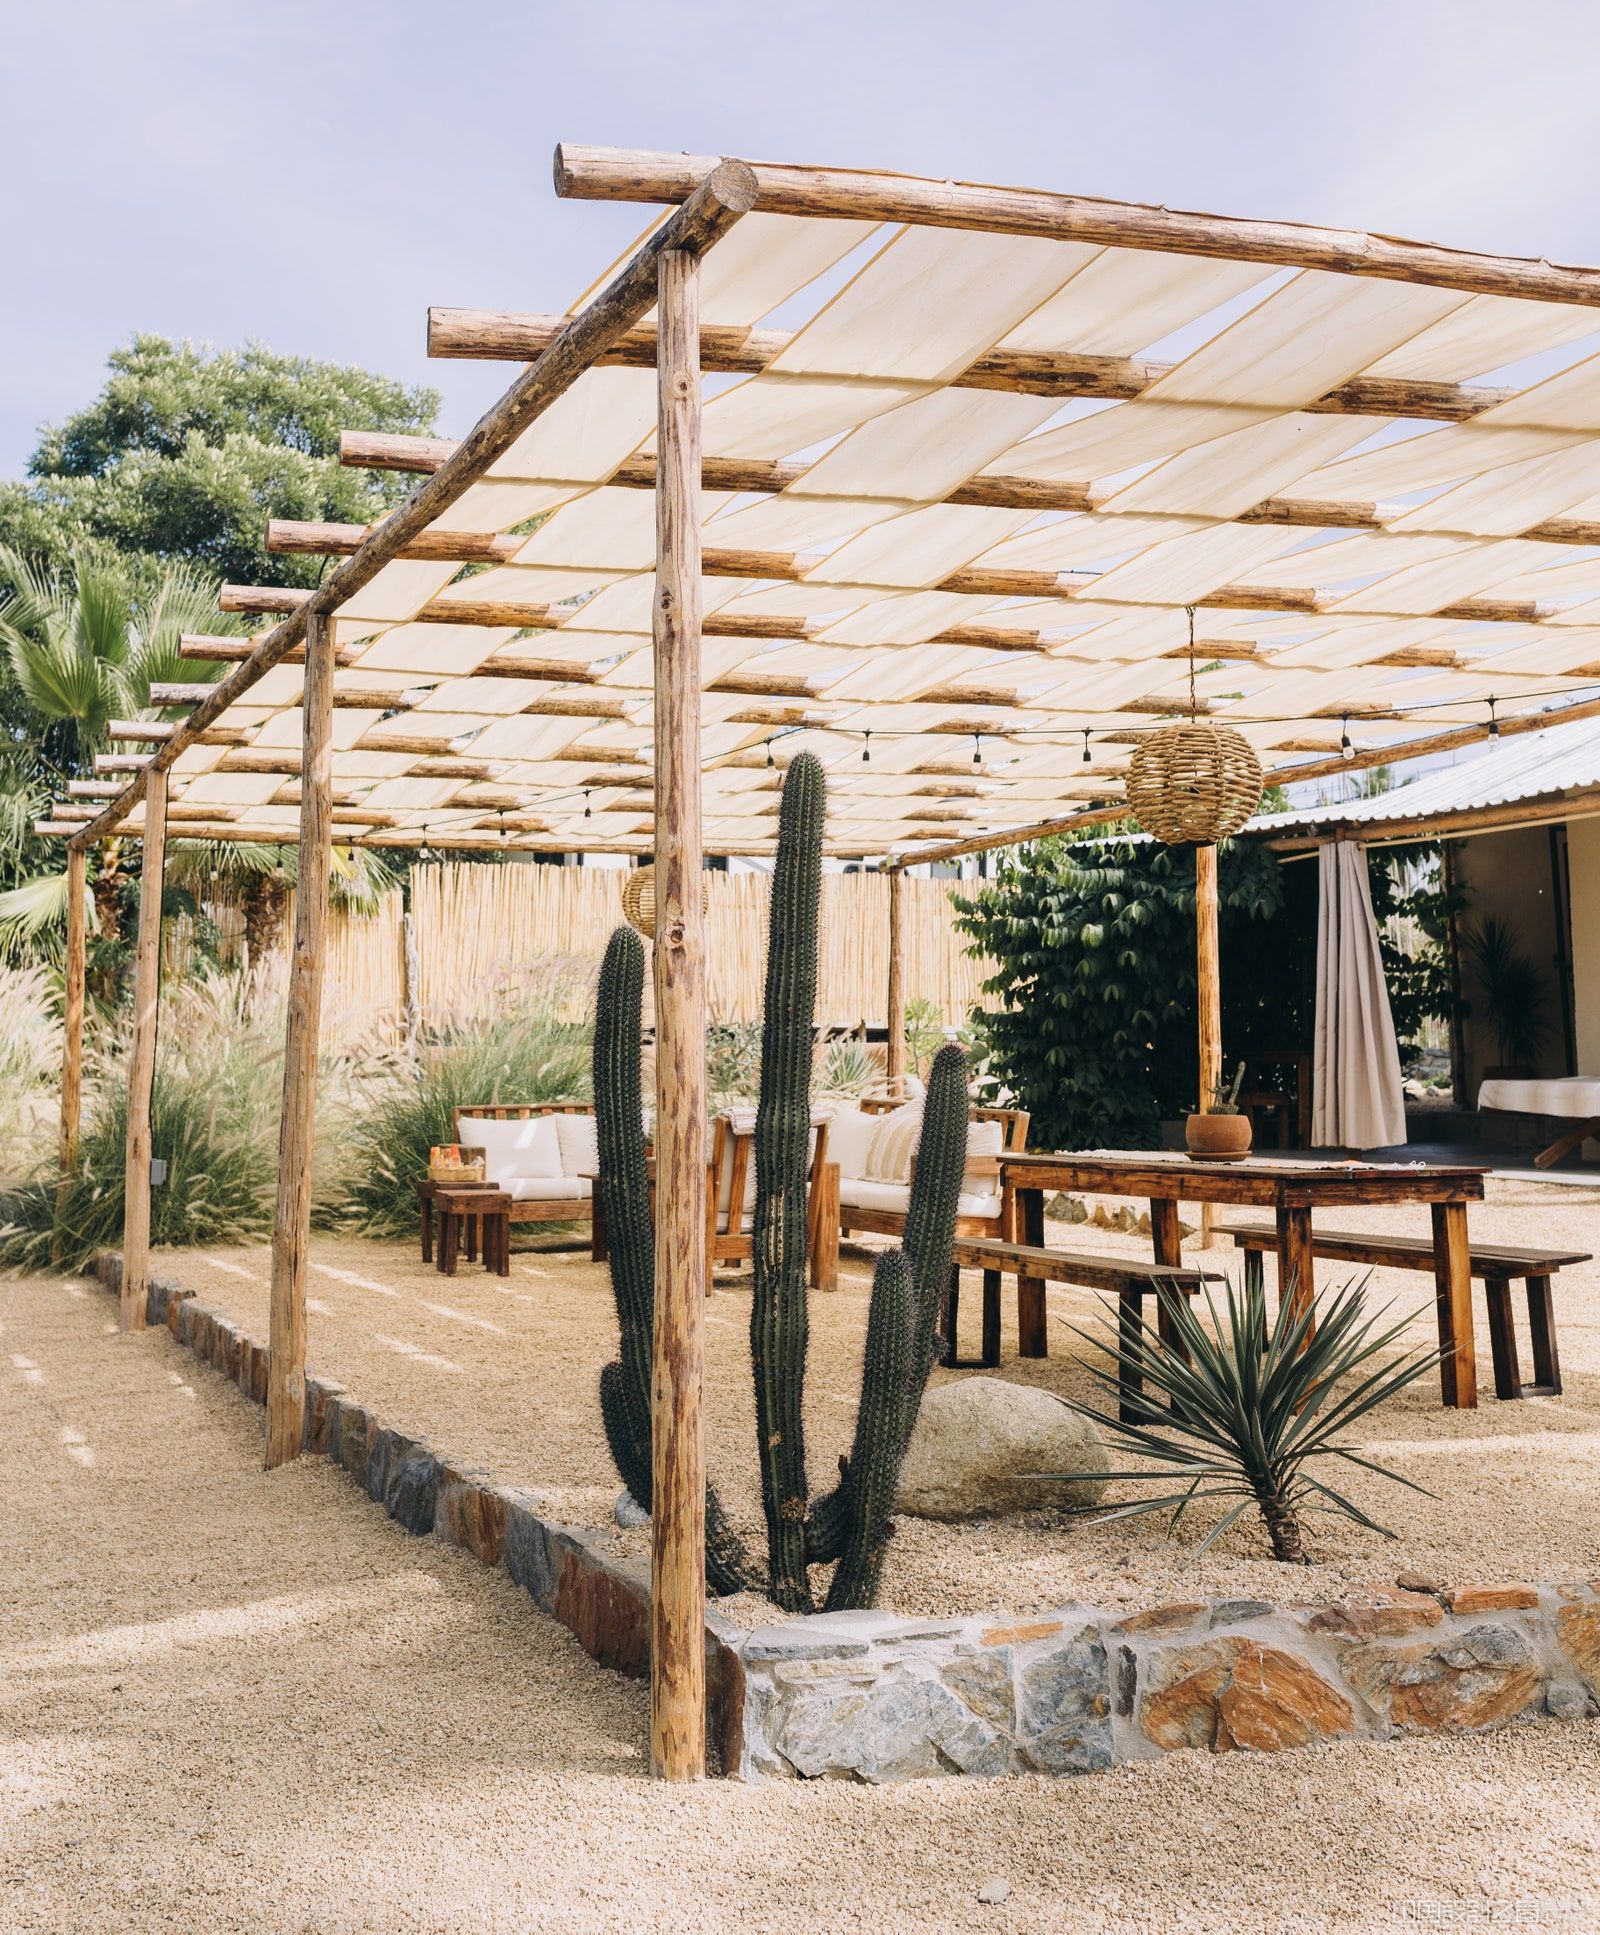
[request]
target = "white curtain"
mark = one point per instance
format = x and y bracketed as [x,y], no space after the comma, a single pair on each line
[1356,1099]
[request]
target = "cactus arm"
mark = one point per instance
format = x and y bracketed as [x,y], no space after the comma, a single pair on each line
[930,1232]
[881,1435]
[624,1187]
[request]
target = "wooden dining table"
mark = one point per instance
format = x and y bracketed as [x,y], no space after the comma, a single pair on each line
[1292,1190]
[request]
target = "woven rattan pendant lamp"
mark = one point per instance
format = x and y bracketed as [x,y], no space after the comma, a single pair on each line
[1193,783]
[639,900]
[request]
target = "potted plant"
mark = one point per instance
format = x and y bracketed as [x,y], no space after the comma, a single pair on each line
[1220,1133]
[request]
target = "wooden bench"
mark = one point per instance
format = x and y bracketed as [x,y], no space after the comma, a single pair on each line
[1130,1283]
[1497,1266]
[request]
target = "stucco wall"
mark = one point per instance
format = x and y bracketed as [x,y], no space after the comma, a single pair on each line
[1583,860]
[1508,875]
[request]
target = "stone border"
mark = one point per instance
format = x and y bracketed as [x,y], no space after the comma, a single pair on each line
[876,1697]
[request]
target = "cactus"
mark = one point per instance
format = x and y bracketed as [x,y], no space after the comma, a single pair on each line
[625,1203]
[882,1432]
[850,1524]
[927,1245]
[778,1315]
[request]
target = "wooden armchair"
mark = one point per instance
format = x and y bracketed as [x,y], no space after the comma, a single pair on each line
[881,1207]
[728,1201]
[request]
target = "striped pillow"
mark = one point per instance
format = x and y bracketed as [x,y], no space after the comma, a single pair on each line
[889,1159]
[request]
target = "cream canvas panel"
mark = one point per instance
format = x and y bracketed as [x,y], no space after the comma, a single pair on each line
[766,259]
[487,507]
[1575,576]
[789,521]
[405,795]
[1303,340]
[1124,299]
[908,620]
[1483,334]
[1347,560]
[543,584]
[582,437]
[927,447]
[440,649]
[399,591]
[608,529]
[1567,401]
[1230,474]
[1105,440]
[529,736]
[1186,568]
[777,416]
[488,698]
[1464,573]
[1074,541]
[1448,455]
[922,547]
[907,676]
[929,304]
[1510,499]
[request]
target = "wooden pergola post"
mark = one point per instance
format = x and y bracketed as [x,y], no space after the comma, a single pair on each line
[291,1229]
[72,1008]
[1208,991]
[72,1027]
[142,1058]
[677,1540]
[895,1060]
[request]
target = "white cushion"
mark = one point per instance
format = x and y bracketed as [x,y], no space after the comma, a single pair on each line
[579,1144]
[546,1189]
[983,1139]
[978,1202]
[856,1192]
[894,1146]
[526,1146]
[850,1133]
[1566,1095]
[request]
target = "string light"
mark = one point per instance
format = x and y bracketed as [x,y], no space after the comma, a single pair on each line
[588,810]
[866,749]
[1494,723]
[771,762]
[1346,749]
[1086,745]
[977,749]
[425,839]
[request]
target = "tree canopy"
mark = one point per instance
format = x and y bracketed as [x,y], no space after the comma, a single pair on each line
[187,451]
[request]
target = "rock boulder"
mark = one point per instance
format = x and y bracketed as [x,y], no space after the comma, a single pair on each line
[980,1443]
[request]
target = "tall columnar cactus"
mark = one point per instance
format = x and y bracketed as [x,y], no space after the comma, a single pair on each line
[624,1188]
[850,1525]
[778,1316]
[927,1246]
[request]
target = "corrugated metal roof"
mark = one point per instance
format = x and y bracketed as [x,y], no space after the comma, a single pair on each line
[1531,766]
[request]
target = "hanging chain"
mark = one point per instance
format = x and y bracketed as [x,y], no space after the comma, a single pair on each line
[1193,703]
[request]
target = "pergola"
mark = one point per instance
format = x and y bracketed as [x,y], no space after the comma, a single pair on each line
[965,489]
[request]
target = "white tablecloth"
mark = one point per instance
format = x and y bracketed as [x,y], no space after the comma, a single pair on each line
[1574,1095]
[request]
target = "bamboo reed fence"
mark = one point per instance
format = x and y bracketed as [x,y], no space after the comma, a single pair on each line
[476,933]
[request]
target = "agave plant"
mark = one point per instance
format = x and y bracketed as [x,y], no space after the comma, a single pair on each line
[1257,1408]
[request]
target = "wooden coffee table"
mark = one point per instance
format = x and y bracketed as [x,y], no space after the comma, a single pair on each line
[472,1204]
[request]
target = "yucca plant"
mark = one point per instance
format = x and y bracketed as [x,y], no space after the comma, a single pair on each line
[1257,1407]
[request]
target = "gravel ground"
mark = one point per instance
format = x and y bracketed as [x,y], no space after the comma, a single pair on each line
[501,1373]
[241,1702]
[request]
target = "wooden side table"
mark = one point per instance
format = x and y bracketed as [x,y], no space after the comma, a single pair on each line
[461,1209]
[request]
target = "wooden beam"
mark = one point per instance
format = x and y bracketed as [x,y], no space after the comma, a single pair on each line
[493,335]
[142,1058]
[150,731]
[677,1525]
[727,193]
[895,1055]
[93,789]
[294,536]
[617,174]
[291,1227]
[382,450]
[234,651]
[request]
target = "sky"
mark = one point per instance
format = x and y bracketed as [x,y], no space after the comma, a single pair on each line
[313,176]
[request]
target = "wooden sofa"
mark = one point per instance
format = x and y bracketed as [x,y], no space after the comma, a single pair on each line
[564,1196]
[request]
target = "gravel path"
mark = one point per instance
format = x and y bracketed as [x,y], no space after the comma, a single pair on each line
[501,1373]
[233,1701]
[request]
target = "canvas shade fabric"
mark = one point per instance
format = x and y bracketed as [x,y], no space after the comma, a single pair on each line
[1356,1097]
[946,658]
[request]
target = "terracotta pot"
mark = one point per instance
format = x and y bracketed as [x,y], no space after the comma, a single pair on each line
[1218,1138]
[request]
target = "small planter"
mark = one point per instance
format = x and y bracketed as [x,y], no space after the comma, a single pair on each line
[1218,1138]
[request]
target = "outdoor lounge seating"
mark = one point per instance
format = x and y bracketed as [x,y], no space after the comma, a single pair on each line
[1574,1098]
[536,1154]
[732,1179]
[875,1147]
[1497,1266]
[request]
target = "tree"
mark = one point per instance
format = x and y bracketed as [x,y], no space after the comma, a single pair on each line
[1092,1025]
[187,452]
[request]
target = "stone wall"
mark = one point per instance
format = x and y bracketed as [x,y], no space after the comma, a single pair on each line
[874,1697]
